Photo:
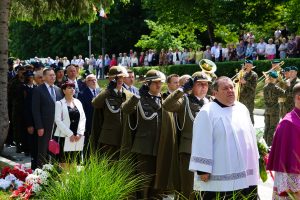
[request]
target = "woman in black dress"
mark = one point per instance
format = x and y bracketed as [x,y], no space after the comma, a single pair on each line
[70,120]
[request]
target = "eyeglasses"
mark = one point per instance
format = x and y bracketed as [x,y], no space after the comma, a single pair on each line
[93,80]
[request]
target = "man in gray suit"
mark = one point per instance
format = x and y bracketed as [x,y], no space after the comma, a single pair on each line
[43,109]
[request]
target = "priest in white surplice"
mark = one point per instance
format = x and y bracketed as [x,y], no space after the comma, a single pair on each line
[224,150]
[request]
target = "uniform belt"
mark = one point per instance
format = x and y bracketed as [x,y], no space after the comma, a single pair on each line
[281,99]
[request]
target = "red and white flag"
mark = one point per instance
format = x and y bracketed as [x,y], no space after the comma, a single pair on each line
[102,13]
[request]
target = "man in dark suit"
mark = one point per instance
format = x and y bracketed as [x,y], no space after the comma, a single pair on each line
[72,77]
[129,81]
[86,96]
[43,109]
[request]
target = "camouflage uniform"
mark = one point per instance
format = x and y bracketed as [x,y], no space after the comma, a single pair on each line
[282,99]
[247,93]
[289,95]
[271,94]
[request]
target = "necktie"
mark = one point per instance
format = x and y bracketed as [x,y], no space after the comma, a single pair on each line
[52,93]
[119,93]
[130,89]
[94,92]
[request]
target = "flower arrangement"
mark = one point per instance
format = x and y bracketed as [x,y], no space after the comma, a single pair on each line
[24,182]
[263,155]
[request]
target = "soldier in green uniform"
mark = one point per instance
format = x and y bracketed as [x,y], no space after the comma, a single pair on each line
[271,94]
[293,80]
[17,101]
[108,121]
[283,84]
[186,106]
[154,127]
[248,85]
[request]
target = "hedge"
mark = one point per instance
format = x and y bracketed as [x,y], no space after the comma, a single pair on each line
[223,68]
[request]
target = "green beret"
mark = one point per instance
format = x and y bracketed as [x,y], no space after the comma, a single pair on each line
[273,74]
[294,68]
[287,69]
[275,61]
[249,61]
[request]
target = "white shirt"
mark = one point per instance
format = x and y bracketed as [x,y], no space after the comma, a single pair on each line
[215,51]
[80,62]
[73,61]
[99,62]
[224,145]
[261,47]
[150,55]
[270,49]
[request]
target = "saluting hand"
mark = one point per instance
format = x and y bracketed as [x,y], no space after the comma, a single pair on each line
[40,132]
[188,85]
[113,83]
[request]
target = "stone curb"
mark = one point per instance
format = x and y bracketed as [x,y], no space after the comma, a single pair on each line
[259,112]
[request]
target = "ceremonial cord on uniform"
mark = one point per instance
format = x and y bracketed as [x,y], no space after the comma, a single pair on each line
[183,123]
[139,107]
[112,110]
[189,109]
[137,120]
[143,113]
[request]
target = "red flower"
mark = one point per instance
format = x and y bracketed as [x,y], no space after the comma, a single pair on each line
[266,158]
[5,171]
[21,175]
[24,192]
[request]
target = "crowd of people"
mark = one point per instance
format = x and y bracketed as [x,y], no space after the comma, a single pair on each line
[195,136]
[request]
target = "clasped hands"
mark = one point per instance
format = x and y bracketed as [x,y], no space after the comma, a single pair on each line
[75,138]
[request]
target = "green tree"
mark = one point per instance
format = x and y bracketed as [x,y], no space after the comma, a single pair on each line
[123,28]
[36,12]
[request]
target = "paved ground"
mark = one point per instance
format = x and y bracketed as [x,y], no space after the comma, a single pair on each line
[264,189]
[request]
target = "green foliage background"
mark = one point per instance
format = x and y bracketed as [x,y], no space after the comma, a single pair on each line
[141,24]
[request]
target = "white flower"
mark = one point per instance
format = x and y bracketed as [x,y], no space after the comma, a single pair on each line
[43,175]
[10,177]
[4,184]
[37,171]
[18,183]
[36,188]
[47,167]
[32,179]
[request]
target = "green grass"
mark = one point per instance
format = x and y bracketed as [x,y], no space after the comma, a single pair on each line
[4,195]
[99,178]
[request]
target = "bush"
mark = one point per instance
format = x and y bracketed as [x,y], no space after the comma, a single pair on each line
[223,68]
[98,178]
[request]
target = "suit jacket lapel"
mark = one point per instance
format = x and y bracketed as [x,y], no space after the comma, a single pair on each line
[44,87]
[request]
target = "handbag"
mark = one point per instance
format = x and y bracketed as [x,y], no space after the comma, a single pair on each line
[54,146]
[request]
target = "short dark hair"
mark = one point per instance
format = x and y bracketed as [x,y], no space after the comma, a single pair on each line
[129,71]
[215,84]
[171,76]
[47,70]
[67,84]
[296,90]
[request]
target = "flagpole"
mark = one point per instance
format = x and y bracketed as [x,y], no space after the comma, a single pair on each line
[90,41]
[103,46]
